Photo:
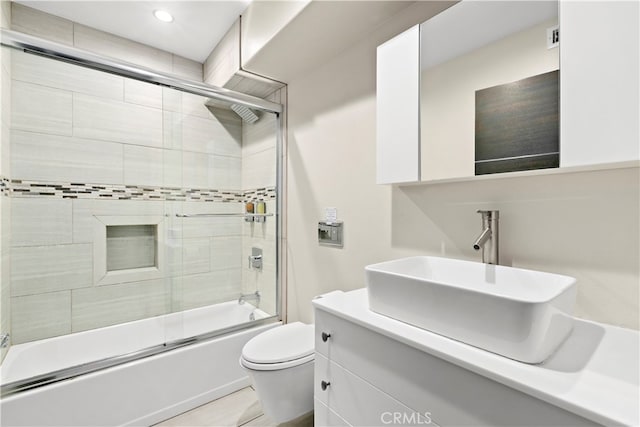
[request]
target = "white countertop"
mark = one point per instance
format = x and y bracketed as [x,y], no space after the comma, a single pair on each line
[595,373]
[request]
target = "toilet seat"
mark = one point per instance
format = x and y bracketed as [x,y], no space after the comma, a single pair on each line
[280,348]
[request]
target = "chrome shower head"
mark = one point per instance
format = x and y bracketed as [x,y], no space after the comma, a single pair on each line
[245,113]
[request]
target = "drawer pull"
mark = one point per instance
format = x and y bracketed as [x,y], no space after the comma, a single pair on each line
[324,385]
[325,336]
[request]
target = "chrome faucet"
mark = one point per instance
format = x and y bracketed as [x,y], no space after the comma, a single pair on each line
[246,297]
[488,239]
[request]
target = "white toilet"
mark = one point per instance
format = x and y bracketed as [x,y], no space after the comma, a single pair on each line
[280,363]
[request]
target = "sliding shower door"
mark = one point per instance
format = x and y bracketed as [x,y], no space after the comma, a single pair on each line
[125,200]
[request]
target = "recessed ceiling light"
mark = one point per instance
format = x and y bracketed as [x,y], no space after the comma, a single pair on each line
[163,15]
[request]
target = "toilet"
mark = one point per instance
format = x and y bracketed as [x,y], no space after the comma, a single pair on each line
[280,363]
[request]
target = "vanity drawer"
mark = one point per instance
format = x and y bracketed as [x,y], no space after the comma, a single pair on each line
[325,417]
[355,400]
[427,384]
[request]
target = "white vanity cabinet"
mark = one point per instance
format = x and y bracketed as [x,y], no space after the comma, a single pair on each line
[374,371]
[373,379]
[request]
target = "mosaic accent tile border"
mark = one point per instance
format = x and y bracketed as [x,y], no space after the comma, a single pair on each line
[4,186]
[22,188]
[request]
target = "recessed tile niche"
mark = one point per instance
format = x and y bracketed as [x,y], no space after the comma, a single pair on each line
[128,248]
[131,246]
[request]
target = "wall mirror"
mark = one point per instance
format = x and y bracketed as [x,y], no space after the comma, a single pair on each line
[489,99]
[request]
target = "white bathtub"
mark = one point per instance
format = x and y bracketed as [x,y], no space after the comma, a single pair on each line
[140,392]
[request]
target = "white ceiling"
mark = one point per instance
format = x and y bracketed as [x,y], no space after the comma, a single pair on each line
[197,28]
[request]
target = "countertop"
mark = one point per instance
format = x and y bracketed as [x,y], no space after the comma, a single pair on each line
[595,373]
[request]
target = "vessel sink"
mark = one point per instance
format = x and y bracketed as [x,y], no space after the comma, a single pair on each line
[521,314]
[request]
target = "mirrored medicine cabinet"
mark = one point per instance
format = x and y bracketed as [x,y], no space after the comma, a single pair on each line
[486,87]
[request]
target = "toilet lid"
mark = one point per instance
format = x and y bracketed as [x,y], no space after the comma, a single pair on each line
[280,344]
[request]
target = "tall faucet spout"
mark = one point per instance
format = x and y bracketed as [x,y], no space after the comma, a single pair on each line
[482,239]
[488,239]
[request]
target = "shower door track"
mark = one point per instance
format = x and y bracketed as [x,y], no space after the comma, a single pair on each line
[38,46]
[109,362]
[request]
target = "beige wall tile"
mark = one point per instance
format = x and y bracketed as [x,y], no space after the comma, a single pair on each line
[32,21]
[40,109]
[117,47]
[142,93]
[171,100]
[172,130]
[5,298]
[85,211]
[42,269]
[194,105]
[5,119]
[172,168]
[189,256]
[36,317]
[143,166]
[5,150]
[195,227]
[211,135]
[259,169]
[5,277]
[225,173]
[204,289]
[226,252]
[37,156]
[186,68]
[5,14]
[5,88]
[197,170]
[112,304]
[207,171]
[48,72]
[259,136]
[40,221]
[97,118]
[224,60]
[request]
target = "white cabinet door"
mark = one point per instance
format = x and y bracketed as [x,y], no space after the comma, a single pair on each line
[599,83]
[398,108]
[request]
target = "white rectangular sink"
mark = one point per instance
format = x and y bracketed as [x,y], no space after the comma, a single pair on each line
[521,314]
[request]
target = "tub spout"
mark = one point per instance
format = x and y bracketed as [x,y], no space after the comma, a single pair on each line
[246,297]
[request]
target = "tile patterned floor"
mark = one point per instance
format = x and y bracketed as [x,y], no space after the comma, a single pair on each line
[241,408]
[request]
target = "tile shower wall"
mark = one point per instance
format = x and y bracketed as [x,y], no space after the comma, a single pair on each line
[259,155]
[88,146]
[5,209]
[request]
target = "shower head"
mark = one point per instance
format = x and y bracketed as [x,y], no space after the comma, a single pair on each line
[245,113]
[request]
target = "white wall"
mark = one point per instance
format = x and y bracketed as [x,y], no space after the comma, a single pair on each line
[583,224]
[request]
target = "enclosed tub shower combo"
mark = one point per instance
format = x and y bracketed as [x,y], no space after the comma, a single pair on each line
[140,229]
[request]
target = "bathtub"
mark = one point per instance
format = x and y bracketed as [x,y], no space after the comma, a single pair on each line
[143,391]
